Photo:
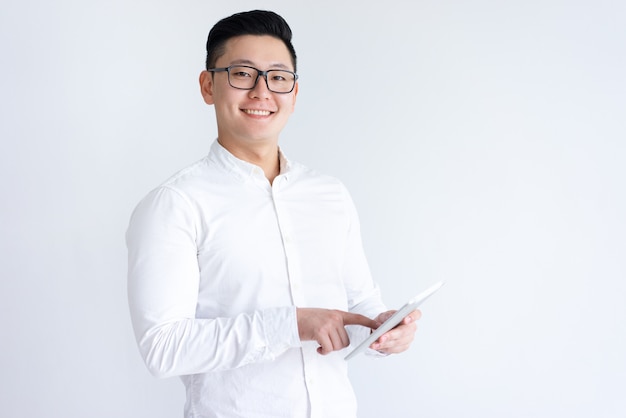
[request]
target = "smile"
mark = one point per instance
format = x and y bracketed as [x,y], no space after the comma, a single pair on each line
[257,112]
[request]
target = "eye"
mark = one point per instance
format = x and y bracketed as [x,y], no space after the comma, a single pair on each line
[240,73]
[280,76]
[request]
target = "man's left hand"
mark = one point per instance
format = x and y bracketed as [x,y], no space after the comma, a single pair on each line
[399,338]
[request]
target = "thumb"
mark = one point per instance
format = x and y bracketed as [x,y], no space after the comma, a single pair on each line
[384,316]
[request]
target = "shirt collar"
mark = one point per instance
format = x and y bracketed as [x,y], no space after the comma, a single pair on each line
[285,164]
[240,168]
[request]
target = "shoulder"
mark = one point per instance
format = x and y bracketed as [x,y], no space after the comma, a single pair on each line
[177,190]
[188,176]
[302,174]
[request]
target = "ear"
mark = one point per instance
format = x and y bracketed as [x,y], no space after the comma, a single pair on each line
[206,87]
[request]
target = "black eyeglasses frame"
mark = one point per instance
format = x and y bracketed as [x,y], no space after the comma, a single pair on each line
[259,74]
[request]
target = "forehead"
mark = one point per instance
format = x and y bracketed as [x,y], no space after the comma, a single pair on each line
[263,51]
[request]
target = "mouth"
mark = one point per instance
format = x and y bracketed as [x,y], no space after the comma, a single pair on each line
[257,112]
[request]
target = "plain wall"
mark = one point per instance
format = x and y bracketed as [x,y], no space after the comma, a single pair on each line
[484,143]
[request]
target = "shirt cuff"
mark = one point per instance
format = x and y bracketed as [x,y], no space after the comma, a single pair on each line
[281,329]
[357,335]
[373,353]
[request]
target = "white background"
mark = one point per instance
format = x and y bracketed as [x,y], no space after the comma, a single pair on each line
[484,143]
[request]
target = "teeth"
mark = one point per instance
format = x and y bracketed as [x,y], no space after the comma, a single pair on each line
[257,112]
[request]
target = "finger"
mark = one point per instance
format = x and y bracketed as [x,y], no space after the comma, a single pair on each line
[396,340]
[385,316]
[332,346]
[326,345]
[339,339]
[413,316]
[399,333]
[350,318]
[345,339]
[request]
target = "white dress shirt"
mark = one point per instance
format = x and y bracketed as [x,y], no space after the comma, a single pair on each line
[219,260]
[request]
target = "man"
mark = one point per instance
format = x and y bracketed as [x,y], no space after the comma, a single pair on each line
[246,268]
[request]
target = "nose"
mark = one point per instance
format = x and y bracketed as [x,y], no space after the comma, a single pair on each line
[260,89]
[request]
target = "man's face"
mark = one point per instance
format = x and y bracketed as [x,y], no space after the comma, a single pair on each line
[249,117]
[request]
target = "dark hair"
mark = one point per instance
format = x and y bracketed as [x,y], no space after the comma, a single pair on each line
[254,22]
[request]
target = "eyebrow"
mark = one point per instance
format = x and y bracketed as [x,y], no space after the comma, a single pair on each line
[252,64]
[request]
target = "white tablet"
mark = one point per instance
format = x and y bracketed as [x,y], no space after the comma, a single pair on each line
[395,319]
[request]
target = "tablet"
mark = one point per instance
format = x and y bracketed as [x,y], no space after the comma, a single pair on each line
[395,319]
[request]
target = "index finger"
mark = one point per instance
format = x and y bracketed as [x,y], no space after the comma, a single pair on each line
[413,316]
[350,318]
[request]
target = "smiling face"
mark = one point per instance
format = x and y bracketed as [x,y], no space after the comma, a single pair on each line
[249,118]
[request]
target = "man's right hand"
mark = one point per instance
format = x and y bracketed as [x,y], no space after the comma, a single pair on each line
[327,327]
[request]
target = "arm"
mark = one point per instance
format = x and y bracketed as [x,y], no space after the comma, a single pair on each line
[163,281]
[365,296]
[362,292]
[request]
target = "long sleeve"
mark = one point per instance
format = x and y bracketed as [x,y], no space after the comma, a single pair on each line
[363,293]
[163,282]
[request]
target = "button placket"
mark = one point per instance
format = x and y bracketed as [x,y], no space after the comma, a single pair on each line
[291,257]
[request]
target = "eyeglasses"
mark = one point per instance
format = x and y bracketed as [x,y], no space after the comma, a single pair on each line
[244,77]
